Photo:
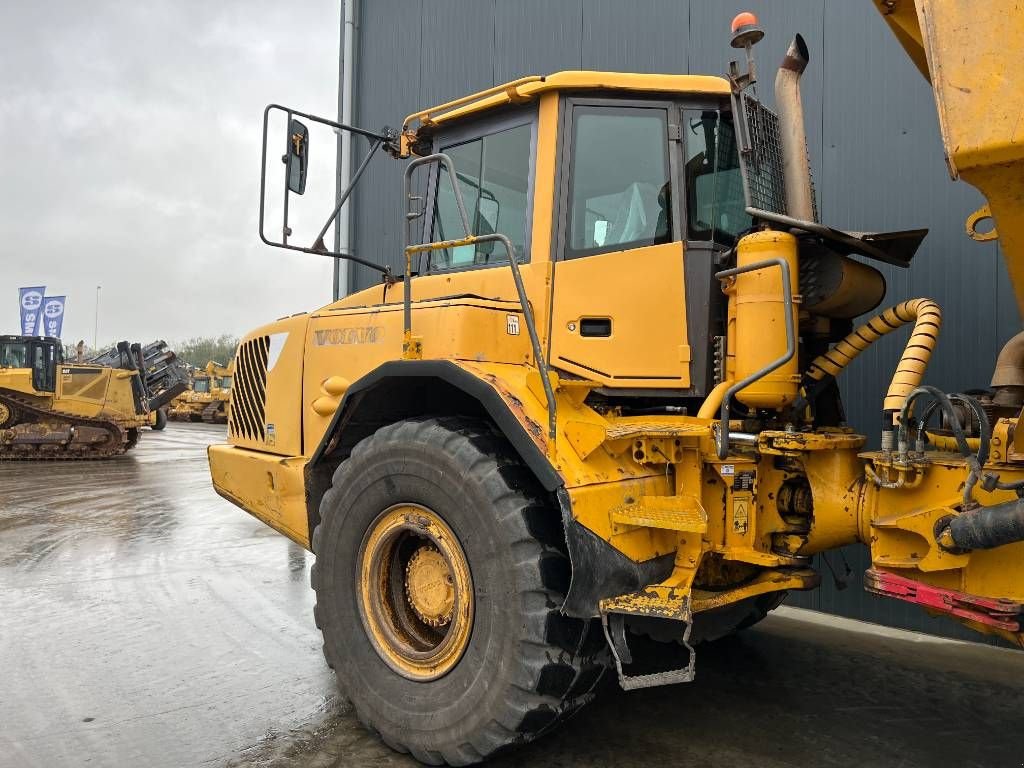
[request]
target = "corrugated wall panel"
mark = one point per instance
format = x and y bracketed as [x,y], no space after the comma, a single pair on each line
[458,50]
[614,32]
[872,131]
[536,37]
[387,90]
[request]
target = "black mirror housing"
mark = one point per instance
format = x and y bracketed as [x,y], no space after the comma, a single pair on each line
[297,158]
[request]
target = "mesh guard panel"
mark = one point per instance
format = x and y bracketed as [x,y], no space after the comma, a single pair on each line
[761,158]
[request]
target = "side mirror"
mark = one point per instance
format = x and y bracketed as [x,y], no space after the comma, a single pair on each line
[297,158]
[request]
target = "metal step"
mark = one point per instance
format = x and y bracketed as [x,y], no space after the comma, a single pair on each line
[633,427]
[657,603]
[674,513]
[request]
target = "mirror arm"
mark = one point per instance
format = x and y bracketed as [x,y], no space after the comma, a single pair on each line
[318,245]
[387,136]
[385,139]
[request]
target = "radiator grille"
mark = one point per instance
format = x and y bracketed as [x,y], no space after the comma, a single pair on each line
[249,394]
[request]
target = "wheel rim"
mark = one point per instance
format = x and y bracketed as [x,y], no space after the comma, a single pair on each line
[5,414]
[415,592]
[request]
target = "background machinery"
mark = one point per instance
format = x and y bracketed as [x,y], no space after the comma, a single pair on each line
[596,421]
[163,378]
[53,409]
[207,398]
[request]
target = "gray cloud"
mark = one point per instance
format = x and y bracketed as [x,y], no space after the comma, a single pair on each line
[131,135]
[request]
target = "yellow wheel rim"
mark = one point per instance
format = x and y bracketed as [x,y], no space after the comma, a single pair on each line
[5,413]
[415,592]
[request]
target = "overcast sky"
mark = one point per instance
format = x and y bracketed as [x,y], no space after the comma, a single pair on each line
[131,135]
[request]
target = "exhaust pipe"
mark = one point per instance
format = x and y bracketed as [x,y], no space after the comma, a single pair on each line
[1008,376]
[796,166]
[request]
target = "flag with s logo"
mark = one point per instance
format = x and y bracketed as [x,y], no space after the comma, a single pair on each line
[30,307]
[53,315]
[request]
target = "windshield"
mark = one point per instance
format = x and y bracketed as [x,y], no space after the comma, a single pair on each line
[201,385]
[715,201]
[13,354]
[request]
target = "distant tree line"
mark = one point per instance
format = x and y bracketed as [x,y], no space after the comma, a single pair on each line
[197,351]
[200,350]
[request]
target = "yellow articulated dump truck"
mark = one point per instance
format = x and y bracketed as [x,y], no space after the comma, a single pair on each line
[52,409]
[595,422]
[208,397]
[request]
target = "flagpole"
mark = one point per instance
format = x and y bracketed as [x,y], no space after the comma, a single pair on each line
[96,323]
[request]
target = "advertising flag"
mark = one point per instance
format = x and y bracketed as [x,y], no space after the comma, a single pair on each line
[30,306]
[53,315]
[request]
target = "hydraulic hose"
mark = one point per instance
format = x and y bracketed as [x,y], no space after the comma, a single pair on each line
[948,442]
[927,318]
[986,527]
[975,462]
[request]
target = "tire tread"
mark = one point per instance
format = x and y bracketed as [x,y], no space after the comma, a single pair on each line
[560,660]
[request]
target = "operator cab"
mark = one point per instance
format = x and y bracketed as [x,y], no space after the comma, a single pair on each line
[201,385]
[41,354]
[618,194]
[645,194]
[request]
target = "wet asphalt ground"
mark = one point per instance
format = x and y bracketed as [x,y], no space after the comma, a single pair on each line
[146,622]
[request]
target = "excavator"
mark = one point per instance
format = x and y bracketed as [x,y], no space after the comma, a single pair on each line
[208,398]
[51,408]
[596,420]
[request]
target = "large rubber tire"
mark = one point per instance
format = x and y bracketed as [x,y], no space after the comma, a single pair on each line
[161,420]
[526,666]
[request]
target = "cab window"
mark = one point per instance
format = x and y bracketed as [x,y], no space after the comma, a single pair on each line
[201,385]
[715,203]
[12,354]
[619,190]
[493,173]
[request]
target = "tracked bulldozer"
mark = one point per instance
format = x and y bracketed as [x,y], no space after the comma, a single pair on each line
[207,399]
[52,409]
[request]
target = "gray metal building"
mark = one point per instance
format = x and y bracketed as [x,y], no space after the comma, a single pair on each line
[874,144]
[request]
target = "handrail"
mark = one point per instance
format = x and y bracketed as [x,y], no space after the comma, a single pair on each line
[722,437]
[531,327]
[424,115]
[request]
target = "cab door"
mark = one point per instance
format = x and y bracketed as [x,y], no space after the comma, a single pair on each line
[45,358]
[618,304]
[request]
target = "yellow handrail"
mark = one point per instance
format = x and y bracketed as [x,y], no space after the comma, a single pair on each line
[427,116]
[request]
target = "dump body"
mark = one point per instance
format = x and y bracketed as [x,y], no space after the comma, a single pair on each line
[971,58]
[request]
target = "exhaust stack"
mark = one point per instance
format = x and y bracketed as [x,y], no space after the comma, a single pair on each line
[796,166]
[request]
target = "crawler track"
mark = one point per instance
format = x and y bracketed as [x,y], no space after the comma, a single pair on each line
[215,413]
[31,433]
